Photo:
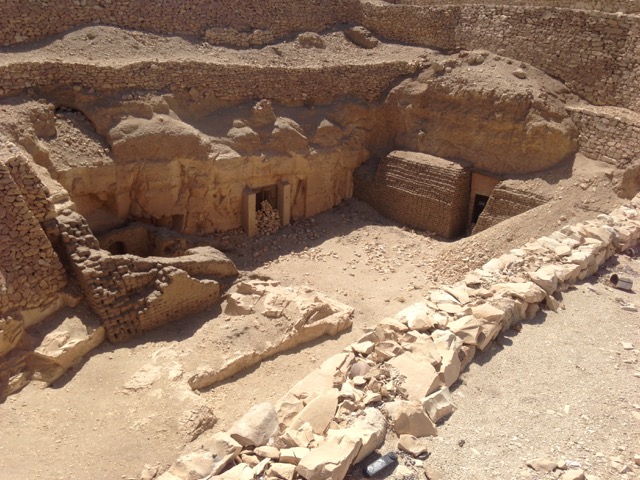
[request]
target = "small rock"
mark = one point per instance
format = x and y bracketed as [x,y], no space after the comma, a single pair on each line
[412,445]
[627,345]
[519,73]
[285,471]
[573,475]
[542,464]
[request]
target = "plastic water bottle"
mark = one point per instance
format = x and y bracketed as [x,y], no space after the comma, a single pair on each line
[381,464]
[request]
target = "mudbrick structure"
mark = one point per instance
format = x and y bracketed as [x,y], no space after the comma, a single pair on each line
[137,137]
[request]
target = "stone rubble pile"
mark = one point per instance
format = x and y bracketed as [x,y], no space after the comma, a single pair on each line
[267,219]
[398,375]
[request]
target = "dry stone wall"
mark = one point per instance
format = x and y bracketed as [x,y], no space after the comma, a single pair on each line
[419,190]
[506,202]
[227,82]
[30,20]
[607,134]
[605,72]
[611,6]
[31,274]
[398,376]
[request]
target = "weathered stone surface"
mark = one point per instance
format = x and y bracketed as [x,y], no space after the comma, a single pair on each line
[11,331]
[545,277]
[329,461]
[267,452]
[256,426]
[293,455]
[369,430]
[319,412]
[527,291]
[421,378]
[416,317]
[286,471]
[448,345]
[222,448]
[410,418]
[70,341]
[193,466]
[542,464]
[573,474]
[467,328]
[412,445]
[439,404]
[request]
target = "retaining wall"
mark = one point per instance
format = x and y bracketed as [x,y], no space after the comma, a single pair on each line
[611,6]
[607,134]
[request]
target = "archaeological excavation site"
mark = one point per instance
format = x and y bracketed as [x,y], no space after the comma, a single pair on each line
[319,239]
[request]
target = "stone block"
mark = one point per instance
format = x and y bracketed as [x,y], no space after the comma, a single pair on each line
[256,427]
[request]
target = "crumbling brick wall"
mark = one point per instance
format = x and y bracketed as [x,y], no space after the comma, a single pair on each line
[504,203]
[611,6]
[130,294]
[419,190]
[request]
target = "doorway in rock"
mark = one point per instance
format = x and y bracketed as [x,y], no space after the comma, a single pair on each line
[479,202]
[269,194]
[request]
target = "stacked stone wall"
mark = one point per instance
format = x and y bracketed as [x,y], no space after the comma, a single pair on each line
[606,71]
[231,82]
[31,275]
[613,6]
[607,134]
[504,203]
[419,190]
[28,20]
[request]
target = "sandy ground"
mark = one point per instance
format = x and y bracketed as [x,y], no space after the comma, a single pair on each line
[129,405]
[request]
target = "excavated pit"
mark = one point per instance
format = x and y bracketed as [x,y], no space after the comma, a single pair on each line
[211,193]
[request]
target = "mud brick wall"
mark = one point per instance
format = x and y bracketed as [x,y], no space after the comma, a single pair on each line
[601,65]
[608,134]
[130,294]
[505,203]
[419,190]
[229,82]
[31,274]
[25,20]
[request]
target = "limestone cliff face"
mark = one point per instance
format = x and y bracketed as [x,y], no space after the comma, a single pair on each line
[485,116]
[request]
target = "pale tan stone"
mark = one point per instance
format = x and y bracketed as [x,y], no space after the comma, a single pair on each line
[369,429]
[256,427]
[421,378]
[293,455]
[330,461]
[467,328]
[410,418]
[284,471]
[266,451]
[439,404]
[528,291]
[222,449]
[412,445]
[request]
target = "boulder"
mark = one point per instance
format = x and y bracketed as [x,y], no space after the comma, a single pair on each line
[256,427]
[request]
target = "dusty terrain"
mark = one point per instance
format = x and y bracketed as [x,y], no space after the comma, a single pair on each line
[137,405]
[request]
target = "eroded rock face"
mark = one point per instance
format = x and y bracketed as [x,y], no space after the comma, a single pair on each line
[474,113]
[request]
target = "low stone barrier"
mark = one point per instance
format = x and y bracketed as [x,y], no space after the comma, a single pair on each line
[398,376]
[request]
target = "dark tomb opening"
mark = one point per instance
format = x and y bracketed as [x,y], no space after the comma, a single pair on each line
[479,202]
